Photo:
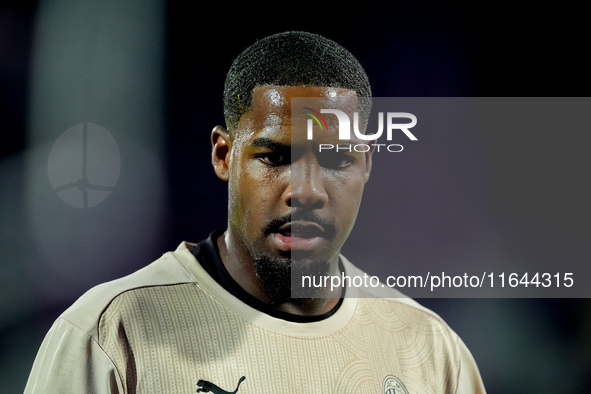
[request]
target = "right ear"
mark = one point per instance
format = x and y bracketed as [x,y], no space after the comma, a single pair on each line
[221,144]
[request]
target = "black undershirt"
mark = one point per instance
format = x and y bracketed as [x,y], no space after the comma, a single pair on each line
[208,255]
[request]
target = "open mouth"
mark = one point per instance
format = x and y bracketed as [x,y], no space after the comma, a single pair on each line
[298,236]
[301,230]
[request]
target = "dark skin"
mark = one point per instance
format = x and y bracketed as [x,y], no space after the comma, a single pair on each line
[269,188]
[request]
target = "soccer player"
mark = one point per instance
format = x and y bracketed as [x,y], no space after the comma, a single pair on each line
[219,316]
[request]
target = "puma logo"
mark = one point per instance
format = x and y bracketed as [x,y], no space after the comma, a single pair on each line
[208,387]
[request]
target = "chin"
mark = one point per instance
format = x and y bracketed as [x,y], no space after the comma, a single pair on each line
[276,274]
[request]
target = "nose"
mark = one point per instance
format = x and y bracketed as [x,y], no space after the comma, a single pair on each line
[307,188]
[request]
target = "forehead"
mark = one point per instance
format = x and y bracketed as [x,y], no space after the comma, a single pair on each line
[278,98]
[271,105]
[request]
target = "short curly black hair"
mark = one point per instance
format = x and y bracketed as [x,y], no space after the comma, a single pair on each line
[288,59]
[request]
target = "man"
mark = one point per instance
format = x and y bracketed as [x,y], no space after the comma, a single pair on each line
[220,316]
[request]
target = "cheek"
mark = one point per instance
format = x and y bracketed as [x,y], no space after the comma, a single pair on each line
[238,196]
[346,194]
[346,186]
[255,193]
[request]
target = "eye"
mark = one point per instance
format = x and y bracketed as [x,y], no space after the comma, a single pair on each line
[335,160]
[274,158]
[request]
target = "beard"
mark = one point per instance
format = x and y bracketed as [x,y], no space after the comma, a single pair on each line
[282,278]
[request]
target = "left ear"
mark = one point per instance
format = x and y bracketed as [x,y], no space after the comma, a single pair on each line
[221,146]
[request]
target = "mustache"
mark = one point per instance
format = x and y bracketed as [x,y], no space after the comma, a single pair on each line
[301,215]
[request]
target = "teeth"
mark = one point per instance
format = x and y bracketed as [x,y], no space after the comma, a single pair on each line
[297,234]
[301,234]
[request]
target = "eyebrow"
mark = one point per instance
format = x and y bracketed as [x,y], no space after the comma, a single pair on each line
[263,142]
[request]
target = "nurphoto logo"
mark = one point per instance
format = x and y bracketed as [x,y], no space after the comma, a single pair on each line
[344,125]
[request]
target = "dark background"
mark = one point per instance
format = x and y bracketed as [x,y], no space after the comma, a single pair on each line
[537,185]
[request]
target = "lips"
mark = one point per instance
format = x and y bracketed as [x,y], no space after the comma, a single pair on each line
[298,236]
[302,229]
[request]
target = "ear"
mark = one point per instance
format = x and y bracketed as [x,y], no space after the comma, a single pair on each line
[221,145]
[368,159]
